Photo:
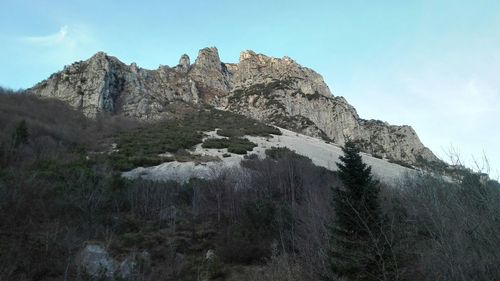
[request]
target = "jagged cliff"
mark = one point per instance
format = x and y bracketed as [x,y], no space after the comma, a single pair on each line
[103,83]
[276,91]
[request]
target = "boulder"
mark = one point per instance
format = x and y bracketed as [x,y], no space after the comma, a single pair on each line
[95,262]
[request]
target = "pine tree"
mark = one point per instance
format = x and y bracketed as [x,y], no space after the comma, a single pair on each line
[356,226]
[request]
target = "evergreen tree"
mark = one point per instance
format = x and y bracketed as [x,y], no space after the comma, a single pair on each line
[356,227]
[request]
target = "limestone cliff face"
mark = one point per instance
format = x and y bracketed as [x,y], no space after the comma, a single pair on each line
[257,69]
[276,91]
[104,84]
[211,75]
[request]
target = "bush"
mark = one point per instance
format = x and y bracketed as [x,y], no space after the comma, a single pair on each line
[233,145]
[216,143]
[277,153]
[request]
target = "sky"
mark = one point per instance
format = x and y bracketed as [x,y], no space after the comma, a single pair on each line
[431,64]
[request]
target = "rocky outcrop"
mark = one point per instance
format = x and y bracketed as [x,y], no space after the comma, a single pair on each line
[259,69]
[280,103]
[105,84]
[212,77]
[274,90]
[95,263]
[184,64]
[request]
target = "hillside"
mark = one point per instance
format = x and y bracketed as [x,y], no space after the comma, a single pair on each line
[69,214]
[211,162]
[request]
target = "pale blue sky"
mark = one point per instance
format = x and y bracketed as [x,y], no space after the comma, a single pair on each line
[432,64]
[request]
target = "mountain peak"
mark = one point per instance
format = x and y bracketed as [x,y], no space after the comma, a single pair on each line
[251,55]
[277,91]
[247,54]
[99,55]
[207,54]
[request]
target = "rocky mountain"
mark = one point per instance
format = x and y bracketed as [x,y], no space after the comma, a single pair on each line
[277,91]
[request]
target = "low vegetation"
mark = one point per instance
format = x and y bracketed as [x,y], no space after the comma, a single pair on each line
[233,145]
[144,146]
[265,90]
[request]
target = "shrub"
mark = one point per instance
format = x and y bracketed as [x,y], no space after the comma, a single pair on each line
[277,153]
[233,145]
[216,143]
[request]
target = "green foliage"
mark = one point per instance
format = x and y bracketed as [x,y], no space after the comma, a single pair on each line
[141,147]
[156,139]
[233,145]
[238,149]
[284,152]
[278,152]
[265,90]
[241,146]
[435,166]
[250,130]
[357,219]
[216,143]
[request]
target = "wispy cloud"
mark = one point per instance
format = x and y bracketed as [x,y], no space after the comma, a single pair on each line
[49,40]
[69,43]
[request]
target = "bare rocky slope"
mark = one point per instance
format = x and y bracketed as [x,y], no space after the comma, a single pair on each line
[273,90]
[321,153]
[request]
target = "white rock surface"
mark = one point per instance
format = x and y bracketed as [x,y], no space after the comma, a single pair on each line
[321,153]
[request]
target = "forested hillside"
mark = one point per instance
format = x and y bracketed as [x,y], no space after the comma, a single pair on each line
[65,207]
